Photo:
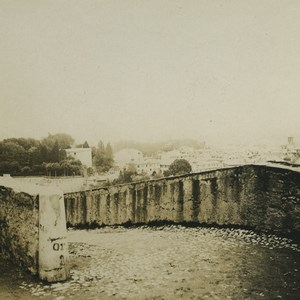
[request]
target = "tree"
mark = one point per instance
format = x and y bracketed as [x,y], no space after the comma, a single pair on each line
[44,154]
[178,167]
[157,175]
[64,141]
[71,166]
[66,167]
[23,142]
[12,157]
[103,157]
[109,151]
[11,151]
[90,171]
[126,176]
[52,169]
[85,145]
[10,167]
[22,156]
[101,146]
[54,154]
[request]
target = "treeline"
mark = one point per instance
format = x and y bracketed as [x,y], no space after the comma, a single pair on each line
[27,156]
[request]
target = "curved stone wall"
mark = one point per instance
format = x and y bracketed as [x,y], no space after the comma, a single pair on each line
[261,197]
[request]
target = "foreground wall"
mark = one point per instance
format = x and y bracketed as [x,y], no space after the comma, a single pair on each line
[265,198]
[19,233]
[33,229]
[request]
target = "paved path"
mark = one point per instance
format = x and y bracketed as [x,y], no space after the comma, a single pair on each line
[176,263]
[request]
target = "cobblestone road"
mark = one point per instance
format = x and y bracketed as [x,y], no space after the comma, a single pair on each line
[176,263]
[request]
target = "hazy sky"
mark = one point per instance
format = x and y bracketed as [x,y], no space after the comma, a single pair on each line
[148,70]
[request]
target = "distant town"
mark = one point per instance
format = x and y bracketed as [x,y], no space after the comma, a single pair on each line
[58,160]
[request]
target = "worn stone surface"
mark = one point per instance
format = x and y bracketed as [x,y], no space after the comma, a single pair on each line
[53,246]
[174,262]
[19,233]
[33,229]
[262,197]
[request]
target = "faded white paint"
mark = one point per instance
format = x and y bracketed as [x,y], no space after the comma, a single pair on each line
[53,245]
[44,236]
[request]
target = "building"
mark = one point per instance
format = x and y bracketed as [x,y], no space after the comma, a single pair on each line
[291,151]
[125,157]
[82,154]
[149,166]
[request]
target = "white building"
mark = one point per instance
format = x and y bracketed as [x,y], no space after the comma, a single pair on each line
[200,165]
[82,154]
[149,165]
[182,153]
[291,151]
[200,160]
[125,157]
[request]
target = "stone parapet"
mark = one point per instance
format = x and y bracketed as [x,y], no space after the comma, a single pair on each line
[258,196]
[33,229]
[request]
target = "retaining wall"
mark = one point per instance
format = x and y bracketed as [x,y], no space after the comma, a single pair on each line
[262,197]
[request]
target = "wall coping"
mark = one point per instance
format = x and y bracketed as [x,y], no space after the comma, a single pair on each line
[268,165]
[28,188]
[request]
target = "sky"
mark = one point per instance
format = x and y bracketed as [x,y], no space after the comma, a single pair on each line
[220,71]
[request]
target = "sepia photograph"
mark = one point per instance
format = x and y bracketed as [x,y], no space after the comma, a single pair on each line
[149,149]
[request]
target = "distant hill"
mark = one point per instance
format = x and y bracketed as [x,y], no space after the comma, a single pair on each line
[154,148]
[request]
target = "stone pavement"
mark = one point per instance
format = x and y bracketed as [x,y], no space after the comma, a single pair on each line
[175,262]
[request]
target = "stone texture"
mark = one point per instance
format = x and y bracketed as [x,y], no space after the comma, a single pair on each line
[262,197]
[19,233]
[33,228]
[175,262]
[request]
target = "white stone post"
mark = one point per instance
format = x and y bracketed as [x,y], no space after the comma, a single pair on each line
[53,245]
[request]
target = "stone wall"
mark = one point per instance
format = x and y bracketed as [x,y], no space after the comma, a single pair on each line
[261,197]
[33,229]
[19,233]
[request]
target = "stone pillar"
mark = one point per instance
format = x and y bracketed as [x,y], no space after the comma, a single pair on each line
[188,199]
[53,245]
